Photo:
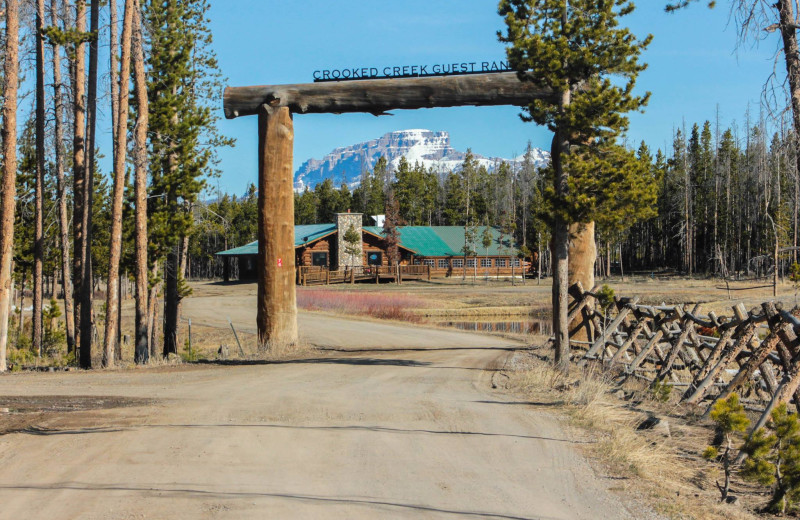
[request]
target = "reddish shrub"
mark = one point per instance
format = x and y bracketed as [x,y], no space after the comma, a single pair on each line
[383,306]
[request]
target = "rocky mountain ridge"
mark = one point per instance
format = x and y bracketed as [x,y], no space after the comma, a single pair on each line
[429,148]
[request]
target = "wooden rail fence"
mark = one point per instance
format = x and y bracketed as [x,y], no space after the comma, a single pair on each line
[755,353]
[315,275]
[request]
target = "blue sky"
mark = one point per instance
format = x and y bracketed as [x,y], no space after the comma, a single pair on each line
[694,67]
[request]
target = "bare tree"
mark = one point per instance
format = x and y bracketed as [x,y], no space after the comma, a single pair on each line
[9,190]
[79,170]
[38,232]
[63,214]
[113,52]
[140,188]
[120,178]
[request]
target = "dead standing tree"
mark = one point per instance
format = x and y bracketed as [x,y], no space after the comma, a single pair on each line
[275,105]
[120,179]
[8,191]
[63,212]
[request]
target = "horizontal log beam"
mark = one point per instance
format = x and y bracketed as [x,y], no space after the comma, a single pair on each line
[380,95]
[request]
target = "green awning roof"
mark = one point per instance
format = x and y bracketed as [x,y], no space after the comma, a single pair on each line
[247,249]
[302,236]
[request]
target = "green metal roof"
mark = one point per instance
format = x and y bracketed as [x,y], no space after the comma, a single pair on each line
[453,236]
[302,236]
[448,240]
[247,249]
[311,233]
[421,240]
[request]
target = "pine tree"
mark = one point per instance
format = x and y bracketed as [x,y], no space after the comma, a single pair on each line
[352,244]
[8,186]
[305,207]
[183,85]
[774,459]
[120,180]
[58,151]
[391,235]
[729,416]
[141,267]
[38,253]
[574,47]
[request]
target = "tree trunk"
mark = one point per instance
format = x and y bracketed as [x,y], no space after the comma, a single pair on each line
[63,213]
[140,189]
[38,232]
[79,166]
[171,301]
[21,324]
[582,254]
[152,316]
[120,179]
[9,188]
[277,305]
[113,51]
[539,258]
[87,282]
[560,247]
[791,53]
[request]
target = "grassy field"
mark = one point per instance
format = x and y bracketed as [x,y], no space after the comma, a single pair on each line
[431,302]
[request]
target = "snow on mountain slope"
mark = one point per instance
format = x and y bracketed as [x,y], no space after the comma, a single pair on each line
[431,149]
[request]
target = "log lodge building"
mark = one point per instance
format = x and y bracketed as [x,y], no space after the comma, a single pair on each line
[322,247]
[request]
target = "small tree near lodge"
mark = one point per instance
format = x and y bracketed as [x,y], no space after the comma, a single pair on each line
[352,241]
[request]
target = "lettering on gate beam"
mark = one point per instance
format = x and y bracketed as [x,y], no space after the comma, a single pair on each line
[411,71]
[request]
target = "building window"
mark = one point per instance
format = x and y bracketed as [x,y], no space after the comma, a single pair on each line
[486,262]
[516,262]
[430,263]
[500,262]
[443,264]
[374,258]
[319,259]
[471,262]
[458,262]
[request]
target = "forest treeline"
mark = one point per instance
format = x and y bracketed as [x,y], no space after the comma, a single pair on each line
[71,231]
[716,203]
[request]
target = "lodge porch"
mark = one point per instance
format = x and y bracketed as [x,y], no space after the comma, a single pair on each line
[319,275]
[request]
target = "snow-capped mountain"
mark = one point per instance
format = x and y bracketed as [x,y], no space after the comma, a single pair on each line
[431,149]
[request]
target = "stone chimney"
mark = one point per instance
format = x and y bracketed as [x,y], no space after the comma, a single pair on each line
[343,223]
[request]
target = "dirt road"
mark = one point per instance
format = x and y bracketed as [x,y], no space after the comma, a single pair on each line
[395,422]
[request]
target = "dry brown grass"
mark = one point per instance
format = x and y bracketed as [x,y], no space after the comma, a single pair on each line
[668,472]
[588,401]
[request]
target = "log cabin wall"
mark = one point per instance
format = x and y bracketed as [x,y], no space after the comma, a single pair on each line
[324,245]
[442,266]
[373,244]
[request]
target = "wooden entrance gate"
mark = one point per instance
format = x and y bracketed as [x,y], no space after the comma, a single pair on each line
[275,106]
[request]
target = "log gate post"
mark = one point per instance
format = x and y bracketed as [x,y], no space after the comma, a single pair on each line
[277,300]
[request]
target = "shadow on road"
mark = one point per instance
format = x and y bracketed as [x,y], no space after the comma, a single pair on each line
[202,493]
[417,349]
[334,361]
